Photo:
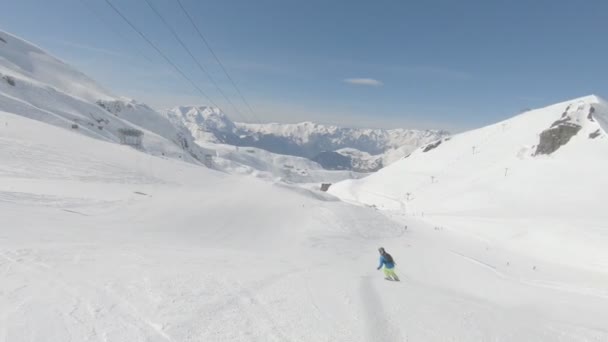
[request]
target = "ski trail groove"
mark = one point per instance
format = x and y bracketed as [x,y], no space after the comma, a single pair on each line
[378,325]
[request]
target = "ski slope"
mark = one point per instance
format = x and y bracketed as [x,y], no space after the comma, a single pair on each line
[490,184]
[100,242]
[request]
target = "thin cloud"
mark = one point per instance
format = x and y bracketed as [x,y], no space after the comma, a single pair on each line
[370,82]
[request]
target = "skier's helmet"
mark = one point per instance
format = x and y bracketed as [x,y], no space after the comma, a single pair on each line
[381,250]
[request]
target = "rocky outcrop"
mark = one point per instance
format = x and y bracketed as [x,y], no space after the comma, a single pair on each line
[432,146]
[114,107]
[595,134]
[556,136]
[590,115]
[10,80]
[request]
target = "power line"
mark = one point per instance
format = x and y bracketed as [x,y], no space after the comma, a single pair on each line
[162,54]
[114,30]
[200,34]
[200,66]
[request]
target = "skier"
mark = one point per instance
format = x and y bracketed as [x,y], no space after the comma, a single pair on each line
[387,261]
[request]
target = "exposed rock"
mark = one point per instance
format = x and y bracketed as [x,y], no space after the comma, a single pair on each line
[561,122]
[2,40]
[595,134]
[555,137]
[590,115]
[10,80]
[114,107]
[432,146]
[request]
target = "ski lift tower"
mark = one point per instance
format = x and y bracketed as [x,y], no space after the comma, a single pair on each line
[131,137]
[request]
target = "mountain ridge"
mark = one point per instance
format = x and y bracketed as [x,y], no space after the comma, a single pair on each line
[308,139]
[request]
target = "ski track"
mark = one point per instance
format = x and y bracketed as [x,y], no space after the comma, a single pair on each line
[210,257]
[378,324]
[75,291]
[557,286]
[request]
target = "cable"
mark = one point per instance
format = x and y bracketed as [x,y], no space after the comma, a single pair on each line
[162,54]
[111,28]
[200,34]
[176,36]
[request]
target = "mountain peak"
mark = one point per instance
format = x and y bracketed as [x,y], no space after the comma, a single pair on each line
[204,118]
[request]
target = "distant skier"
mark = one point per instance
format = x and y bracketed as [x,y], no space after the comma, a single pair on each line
[387,261]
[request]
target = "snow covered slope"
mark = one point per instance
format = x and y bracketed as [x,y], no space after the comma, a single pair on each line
[308,139]
[101,242]
[276,167]
[38,86]
[201,121]
[534,182]
[24,60]
[315,138]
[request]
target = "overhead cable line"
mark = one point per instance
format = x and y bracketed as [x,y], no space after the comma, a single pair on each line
[200,66]
[200,34]
[179,71]
[113,29]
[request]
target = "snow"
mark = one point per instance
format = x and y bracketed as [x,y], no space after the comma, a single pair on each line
[366,140]
[202,120]
[305,131]
[489,184]
[48,90]
[102,242]
[369,148]
[363,160]
[25,60]
[206,124]
[275,167]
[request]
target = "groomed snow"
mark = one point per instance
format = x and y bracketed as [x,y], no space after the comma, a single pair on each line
[102,242]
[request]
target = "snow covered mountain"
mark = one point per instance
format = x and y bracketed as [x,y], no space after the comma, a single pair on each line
[532,182]
[38,86]
[275,167]
[335,148]
[99,241]
[201,121]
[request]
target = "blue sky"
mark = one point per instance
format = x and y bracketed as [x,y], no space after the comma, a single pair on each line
[416,64]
